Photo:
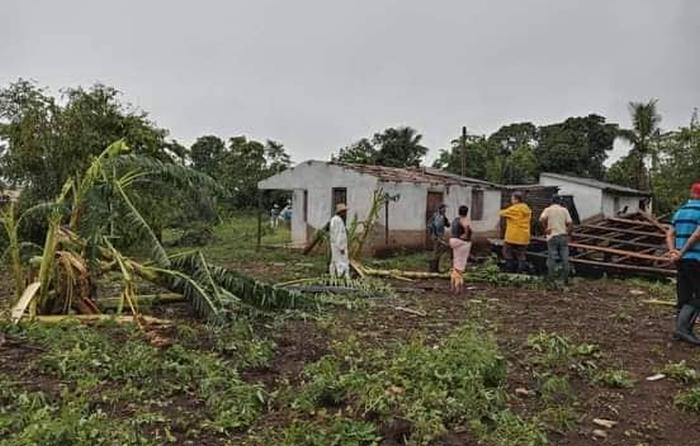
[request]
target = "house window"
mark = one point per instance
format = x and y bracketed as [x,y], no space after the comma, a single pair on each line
[306,206]
[338,195]
[477,204]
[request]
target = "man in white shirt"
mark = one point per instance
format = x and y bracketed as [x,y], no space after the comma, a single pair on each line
[340,263]
[556,222]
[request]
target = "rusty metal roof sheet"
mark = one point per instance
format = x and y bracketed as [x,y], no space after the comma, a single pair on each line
[414,175]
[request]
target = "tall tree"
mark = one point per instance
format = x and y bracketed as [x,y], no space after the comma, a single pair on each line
[394,147]
[46,142]
[473,149]
[577,146]
[399,147]
[643,136]
[206,153]
[360,152]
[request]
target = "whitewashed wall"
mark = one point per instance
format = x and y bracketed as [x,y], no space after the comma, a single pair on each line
[319,178]
[406,214]
[631,202]
[588,200]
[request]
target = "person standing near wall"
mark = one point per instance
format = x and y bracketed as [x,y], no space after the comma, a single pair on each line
[517,238]
[557,223]
[340,262]
[436,228]
[682,243]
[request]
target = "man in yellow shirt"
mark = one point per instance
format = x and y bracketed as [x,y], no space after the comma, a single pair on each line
[518,218]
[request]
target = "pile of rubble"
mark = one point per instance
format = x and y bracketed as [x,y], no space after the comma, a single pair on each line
[632,243]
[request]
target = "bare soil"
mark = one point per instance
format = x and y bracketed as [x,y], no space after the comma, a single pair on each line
[632,335]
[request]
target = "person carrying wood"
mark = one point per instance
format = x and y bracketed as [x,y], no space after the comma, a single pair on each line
[557,224]
[436,228]
[340,262]
[682,243]
[517,237]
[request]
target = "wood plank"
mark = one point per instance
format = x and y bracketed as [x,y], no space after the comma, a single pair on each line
[625,231]
[619,252]
[630,242]
[610,266]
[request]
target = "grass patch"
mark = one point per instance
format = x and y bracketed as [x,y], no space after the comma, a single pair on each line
[681,372]
[435,387]
[109,368]
[688,400]
[615,378]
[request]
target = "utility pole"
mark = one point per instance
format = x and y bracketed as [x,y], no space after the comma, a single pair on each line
[463,150]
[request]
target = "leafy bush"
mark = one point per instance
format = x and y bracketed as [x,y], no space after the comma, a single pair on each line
[681,372]
[433,387]
[689,400]
[615,378]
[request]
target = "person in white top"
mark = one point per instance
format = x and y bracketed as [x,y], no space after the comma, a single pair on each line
[556,222]
[340,262]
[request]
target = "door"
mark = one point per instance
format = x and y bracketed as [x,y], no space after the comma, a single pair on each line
[433,202]
[338,195]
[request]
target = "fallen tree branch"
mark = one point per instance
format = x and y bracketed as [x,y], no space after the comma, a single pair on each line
[412,311]
[668,303]
[57,318]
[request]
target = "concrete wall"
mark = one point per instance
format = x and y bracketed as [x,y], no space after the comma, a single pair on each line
[631,202]
[407,216]
[588,200]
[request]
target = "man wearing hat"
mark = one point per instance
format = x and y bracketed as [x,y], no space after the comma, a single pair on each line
[340,262]
[682,242]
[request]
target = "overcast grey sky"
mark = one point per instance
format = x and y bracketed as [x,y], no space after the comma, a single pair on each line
[319,74]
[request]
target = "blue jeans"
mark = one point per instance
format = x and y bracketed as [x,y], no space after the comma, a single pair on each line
[558,252]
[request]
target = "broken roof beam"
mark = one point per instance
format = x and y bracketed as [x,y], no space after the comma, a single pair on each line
[623,231]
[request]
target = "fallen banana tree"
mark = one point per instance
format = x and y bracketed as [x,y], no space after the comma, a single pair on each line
[79,251]
[476,276]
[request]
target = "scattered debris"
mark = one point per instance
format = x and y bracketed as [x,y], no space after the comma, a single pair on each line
[599,433]
[657,377]
[633,243]
[412,311]
[521,391]
[602,422]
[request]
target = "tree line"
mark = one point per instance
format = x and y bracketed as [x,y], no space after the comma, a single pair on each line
[664,163]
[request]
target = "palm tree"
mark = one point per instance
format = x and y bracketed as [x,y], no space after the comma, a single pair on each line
[645,131]
[399,147]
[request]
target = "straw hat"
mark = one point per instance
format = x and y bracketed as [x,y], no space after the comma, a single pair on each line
[340,207]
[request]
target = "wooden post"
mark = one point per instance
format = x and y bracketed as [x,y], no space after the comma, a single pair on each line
[386,222]
[260,214]
[463,154]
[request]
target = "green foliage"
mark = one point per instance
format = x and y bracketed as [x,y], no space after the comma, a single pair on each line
[577,146]
[47,141]
[131,370]
[35,418]
[688,400]
[394,147]
[433,387]
[339,432]
[615,378]
[681,372]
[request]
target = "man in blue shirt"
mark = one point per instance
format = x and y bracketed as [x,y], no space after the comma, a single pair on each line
[682,243]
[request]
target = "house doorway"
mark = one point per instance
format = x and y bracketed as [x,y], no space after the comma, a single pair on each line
[433,202]
[338,195]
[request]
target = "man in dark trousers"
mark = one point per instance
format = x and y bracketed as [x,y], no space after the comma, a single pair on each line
[436,227]
[682,243]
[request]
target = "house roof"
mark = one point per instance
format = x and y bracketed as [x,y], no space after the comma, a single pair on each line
[414,175]
[608,187]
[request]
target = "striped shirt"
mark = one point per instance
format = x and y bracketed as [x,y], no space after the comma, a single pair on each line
[685,221]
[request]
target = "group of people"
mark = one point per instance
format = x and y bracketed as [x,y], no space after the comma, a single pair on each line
[555,220]
[681,239]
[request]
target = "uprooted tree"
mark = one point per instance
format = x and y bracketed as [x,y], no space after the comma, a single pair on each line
[79,247]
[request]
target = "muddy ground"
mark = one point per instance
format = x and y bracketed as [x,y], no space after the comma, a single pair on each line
[631,334]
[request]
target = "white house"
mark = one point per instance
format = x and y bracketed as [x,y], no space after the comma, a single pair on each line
[318,186]
[595,198]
